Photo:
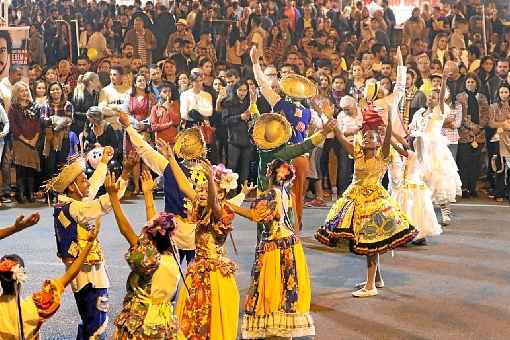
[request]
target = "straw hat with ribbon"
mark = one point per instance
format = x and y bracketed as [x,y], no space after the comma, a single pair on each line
[270,131]
[190,144]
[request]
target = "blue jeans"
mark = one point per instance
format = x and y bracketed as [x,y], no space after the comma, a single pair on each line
[92,305]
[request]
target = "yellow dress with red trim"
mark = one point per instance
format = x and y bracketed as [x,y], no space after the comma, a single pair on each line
[366,215]
[211,309]
[35,310]
[278,300]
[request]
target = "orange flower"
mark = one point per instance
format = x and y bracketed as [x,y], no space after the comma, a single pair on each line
[6,265]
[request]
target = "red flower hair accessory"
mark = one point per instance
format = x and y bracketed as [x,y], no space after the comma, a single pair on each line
[372,120]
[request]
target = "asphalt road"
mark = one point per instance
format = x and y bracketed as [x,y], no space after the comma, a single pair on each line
[456,287]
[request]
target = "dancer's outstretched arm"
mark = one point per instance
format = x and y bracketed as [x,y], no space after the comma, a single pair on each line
[74,268]
[244,212]
[212,195]
[122,222]
[182,181]
[148,188]
[21,223]
[348,146]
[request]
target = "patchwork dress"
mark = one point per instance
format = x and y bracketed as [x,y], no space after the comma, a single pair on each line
[366,215]
[210,310]
[278,300]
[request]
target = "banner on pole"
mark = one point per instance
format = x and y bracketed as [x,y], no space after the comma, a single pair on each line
[13,50]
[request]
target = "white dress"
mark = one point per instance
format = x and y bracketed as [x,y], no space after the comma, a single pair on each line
[440,171]
[415,198]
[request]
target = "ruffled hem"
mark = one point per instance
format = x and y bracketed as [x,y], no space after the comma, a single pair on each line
[287,325]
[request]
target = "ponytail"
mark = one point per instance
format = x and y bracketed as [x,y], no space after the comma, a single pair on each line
[79,90]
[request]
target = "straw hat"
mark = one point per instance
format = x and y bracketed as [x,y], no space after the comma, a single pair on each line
[66,176]
[271,130]
[298,87]
[190,144]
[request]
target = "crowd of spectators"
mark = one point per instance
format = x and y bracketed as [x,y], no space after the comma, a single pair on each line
[187,63]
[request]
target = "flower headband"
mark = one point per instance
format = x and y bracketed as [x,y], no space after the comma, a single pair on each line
[284,172]
[226,178]
[18,272]
[161,224]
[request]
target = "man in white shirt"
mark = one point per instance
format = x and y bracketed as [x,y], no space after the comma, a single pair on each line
[74,213]
[349,121]
[196,104]
[15,75]
[114,98]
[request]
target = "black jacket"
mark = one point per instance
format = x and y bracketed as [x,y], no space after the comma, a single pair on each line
[237,129]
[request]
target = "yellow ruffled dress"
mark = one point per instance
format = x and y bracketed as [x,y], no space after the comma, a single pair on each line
[278,300]
[366,215]
[211,309]
[35,310]
[147,311]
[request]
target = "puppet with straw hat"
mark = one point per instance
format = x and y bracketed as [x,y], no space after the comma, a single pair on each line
[74,214]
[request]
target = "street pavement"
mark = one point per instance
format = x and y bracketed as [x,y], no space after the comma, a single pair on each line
[456,287]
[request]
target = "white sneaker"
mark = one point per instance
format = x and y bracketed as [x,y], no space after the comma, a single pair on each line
[378,284]
[362,293]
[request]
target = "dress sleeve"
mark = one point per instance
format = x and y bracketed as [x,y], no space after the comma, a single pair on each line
[264,207]
[143,258]
[223,225]
[47,301]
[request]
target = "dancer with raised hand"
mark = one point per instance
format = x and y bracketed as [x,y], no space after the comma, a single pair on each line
[147,311]
[21,223]
[439,167]
[22,319]
[75,210]
[210,308]
[278,302]
[366,215]
[411,192]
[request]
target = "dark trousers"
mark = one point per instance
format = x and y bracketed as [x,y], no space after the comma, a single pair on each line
[492,150]
[25,179]
[238,159]
[92,305]
[469,161]
[5,166]
[345,169]
[56,159]
[500,176]
[189,255]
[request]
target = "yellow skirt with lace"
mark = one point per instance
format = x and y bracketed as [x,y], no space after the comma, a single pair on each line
[278,300]
[211,309]
[369,219]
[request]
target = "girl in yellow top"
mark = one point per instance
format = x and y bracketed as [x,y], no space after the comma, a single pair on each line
[147,311]
[278,300]
[22,319]
[366,215]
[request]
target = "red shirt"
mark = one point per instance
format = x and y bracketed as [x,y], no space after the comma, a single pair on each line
[21,125]
[165,120]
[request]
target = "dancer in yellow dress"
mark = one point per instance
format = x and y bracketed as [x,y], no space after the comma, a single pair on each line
[278,300]
[23,318]
[208,303]
[366,215]
[147,311]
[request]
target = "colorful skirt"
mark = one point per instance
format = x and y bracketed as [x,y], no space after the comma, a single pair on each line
[278,300]
[210,311]
[369,219]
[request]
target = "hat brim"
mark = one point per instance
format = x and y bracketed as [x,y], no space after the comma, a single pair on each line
[298,87]
[190,144]
[259,131]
